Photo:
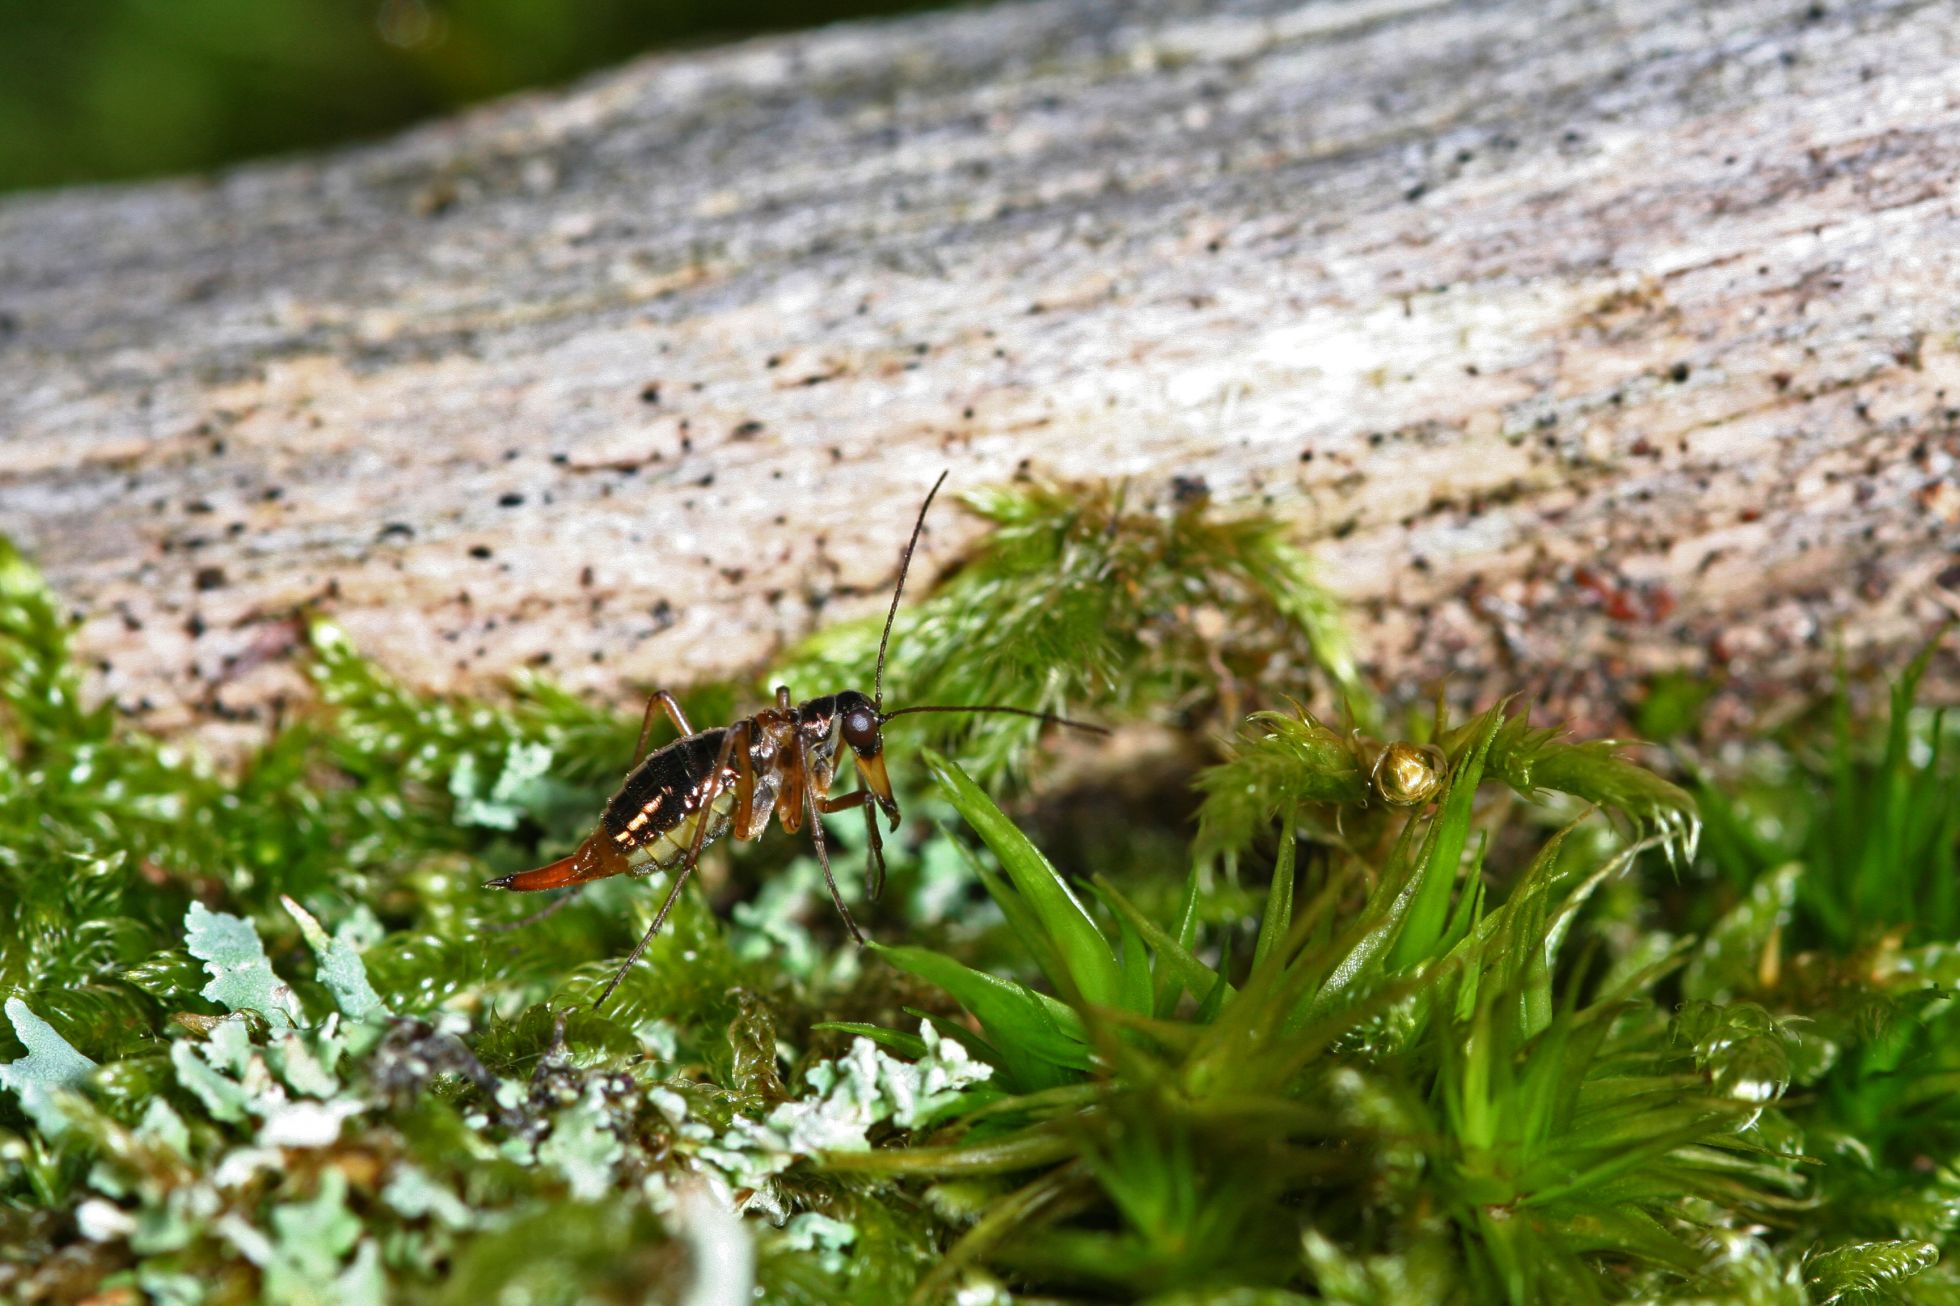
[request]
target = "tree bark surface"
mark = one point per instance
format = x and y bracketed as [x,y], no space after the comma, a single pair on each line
[1583,341]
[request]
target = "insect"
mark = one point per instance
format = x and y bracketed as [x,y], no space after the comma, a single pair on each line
[731,779]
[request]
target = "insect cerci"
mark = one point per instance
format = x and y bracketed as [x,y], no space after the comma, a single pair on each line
[782,761]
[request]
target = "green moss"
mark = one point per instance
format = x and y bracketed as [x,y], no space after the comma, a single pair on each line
[1080,598]
[1406,1041]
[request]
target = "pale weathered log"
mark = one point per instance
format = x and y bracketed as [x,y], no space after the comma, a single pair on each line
[1583,340]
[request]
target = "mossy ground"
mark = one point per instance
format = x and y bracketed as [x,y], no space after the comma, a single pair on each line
[1474,1044]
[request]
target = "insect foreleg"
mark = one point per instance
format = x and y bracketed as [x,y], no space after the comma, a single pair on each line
[710,790]
[823,853]
[744,783]
[874,868]
[665,702]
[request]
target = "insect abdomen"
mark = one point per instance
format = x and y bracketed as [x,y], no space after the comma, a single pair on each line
[653,816]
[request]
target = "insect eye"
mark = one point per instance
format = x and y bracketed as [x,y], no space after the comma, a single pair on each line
[861,730]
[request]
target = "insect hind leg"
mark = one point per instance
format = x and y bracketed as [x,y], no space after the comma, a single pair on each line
[667,703]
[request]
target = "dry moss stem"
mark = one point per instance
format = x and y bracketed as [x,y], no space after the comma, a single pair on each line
[1582,341]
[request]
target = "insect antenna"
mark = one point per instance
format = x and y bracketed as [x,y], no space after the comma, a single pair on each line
[904,565]
[994,707]
[884,642]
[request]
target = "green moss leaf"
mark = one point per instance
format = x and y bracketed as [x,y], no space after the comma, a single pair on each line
[1091,962]
[1040,1040]
[1435,875]
[1865,1267]
[1731,957]
[1531,759]
[1088,598]
[1278,763]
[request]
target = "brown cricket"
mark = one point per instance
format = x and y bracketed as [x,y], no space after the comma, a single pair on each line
[781,761]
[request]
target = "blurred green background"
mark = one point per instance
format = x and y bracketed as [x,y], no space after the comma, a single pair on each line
[95,90]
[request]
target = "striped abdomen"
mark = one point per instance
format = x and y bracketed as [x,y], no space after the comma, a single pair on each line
[652,818]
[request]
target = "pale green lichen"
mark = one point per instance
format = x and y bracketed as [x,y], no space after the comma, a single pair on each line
[306,1255]
[50,1066]
[582,1146]
[414,1194]
[234,1079]
[816,1233]
[241,975]
[340,967]
[522,783]
[848,1095]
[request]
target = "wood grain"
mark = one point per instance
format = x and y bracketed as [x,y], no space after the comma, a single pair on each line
[1583,341]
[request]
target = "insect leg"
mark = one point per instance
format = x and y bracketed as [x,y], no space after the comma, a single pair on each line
[744,783]
[874,869]
[710,790]
[823,853]
[665,702]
